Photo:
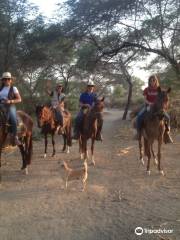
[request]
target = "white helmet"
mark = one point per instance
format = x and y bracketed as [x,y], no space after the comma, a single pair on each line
[6,75]
[90,83]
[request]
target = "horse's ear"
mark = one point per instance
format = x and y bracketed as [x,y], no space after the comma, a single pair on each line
[102,99]
[159,89]
[169,90]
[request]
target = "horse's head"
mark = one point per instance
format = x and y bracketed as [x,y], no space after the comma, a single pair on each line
[43,114]
[162,100]
[99,105]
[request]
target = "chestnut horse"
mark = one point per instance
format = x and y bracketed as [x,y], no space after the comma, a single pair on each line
[153,128]
[91,118]
[46,121]
[24,133]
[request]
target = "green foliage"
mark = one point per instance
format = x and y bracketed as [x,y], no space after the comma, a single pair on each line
[86,57]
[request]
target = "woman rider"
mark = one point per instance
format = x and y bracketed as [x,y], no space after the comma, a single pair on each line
[9,96]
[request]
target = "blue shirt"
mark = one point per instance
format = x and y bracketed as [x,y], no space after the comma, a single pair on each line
[88,98]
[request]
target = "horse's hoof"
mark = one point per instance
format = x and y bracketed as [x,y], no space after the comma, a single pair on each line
[155,161]
[68,151]
[142,161]
[93,163]
[45,155]
[148,172]
[26,171]
[162,173]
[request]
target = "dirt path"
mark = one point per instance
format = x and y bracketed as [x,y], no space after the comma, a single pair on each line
[119,196]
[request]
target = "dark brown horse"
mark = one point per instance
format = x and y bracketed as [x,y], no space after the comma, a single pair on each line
[90,124]
[153,128]
[46,121]
[25,135]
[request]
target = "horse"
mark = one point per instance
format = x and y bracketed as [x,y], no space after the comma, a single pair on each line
[154,128]
[89,128]
[25,123]
[48,124]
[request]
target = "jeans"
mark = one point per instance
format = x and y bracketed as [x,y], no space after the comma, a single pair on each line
[78,121]
[59,117]
[140,117]
[13,119]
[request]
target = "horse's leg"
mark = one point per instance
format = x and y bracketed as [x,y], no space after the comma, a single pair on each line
[80,148]
[69,137]
[53,144]
[159,157]
[92,151]
[64,141]
[154,156]
[148,152]
[45,145]
[0,165]
[141,150]
[84,148]
[24,161]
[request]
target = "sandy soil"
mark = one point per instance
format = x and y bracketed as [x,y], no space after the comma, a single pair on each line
[119,195]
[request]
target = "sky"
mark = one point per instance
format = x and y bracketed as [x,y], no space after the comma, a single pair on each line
[46,7]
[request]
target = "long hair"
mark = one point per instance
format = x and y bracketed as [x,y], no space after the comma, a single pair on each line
[155,78]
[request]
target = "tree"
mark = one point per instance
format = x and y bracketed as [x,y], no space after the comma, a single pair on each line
[151,26]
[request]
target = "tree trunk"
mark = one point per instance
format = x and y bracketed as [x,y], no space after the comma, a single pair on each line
[128,100]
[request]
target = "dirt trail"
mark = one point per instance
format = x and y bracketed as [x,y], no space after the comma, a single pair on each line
[119,196]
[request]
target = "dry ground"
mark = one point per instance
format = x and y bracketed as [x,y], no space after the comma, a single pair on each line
[119,195]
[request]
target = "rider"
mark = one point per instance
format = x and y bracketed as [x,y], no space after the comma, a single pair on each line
[150,95]
[57,102]
[87,99]
[9,96]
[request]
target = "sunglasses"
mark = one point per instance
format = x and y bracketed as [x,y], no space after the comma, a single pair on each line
[6,79]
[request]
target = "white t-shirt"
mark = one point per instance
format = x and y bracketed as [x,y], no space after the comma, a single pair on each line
[5,91]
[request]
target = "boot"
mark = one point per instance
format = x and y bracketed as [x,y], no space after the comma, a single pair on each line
[167,137]
[16,141]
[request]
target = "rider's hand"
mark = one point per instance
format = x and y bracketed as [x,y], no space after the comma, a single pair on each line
[7,101]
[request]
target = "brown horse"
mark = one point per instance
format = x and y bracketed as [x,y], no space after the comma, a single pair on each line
[153,128]
[46,121]
[90,124]
[25,135]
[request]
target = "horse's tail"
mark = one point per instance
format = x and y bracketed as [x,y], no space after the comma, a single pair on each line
[29,151]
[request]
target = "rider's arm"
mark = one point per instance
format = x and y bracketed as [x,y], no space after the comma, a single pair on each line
[17,98]
[50,93]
